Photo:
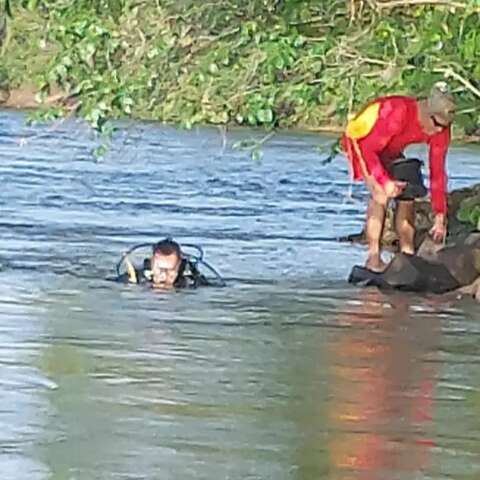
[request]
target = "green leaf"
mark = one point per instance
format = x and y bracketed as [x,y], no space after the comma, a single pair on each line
[100,152]
[32,5]
[474,215]
[469,211]
[476,72]
[265,115]
[256,154]
[463,215]
[469,49]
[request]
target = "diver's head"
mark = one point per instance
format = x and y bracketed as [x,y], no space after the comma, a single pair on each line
[165,263]
[440,108]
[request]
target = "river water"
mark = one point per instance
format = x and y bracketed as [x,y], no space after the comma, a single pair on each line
[288,373]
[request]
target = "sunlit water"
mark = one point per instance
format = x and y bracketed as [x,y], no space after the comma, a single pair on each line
[288,373]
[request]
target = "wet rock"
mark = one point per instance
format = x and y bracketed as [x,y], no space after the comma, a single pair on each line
[472,290]
[462,261]
[472,239]
[435,268]
[408,273]
[424,220]
[428,249]
[416,274]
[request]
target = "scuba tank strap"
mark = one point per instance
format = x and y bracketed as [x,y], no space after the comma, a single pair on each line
[132,273]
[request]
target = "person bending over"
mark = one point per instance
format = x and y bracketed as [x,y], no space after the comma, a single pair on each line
[376,137]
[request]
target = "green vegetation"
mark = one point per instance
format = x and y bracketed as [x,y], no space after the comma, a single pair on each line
[469,211]
[269,63]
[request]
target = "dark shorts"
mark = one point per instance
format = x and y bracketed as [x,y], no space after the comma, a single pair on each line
[408,170]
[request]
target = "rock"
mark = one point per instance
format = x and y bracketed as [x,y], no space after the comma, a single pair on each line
[472,239]
[461,259]
[424,221]
[432,270]
[408,273]
[416,274]
[435,268]
[428,249]
[476,290]
[472,290]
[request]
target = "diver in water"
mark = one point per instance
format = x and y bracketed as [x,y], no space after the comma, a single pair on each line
[167,267]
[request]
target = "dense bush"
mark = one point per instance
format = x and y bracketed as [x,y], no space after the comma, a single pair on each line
[469,211]
[252,62]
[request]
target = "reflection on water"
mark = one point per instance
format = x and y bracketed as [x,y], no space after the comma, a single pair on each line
[288,373]
[389,373]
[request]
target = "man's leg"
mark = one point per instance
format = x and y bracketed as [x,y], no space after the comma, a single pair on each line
[374,230]
[405,225]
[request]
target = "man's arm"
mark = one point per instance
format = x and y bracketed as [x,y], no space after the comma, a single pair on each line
[438,183]
[438,177]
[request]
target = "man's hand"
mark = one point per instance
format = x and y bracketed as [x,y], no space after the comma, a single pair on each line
[394,188]
[439,229]
[383,194]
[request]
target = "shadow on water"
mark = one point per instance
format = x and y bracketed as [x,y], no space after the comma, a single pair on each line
[289,373]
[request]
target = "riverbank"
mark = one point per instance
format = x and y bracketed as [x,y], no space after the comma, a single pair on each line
[28,98]
[271,64]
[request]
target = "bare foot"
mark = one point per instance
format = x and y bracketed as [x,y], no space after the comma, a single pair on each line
[375,263]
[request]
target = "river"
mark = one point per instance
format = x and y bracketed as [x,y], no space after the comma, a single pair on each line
[288,373]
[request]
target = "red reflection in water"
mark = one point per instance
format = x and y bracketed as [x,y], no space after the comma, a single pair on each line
[382,389]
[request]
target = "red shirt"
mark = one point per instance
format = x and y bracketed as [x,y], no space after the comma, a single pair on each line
[396,127]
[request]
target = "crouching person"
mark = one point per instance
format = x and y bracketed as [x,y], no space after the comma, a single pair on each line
[374,142]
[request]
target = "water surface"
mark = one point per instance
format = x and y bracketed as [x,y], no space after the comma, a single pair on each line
[289,373]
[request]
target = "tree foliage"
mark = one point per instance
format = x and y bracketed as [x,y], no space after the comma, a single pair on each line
[266,63]
[469,211]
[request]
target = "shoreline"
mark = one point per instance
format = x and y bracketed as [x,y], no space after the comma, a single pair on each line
[26,99]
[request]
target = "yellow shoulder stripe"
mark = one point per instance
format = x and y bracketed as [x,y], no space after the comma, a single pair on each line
[363,123]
